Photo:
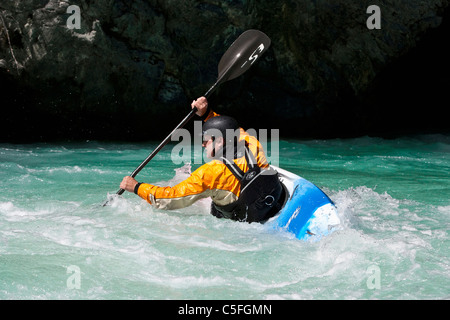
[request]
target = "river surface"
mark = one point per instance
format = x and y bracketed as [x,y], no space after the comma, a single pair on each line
[57,241]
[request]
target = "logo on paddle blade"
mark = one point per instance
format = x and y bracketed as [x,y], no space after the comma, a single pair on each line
[254,55]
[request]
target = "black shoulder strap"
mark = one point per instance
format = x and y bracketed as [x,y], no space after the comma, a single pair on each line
[251,161]
[234,168]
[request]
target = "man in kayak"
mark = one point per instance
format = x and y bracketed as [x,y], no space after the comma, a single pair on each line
[238,178]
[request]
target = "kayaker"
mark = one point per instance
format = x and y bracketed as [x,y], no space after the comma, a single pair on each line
[238,178]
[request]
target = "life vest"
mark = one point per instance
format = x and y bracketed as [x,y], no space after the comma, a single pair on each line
[260,192]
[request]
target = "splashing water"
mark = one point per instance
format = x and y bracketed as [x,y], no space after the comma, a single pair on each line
[58,242]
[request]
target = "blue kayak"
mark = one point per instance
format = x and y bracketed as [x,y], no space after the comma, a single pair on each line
[307,212]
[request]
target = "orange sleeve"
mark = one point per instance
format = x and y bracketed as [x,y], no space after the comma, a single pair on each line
[210,180]
[179,196]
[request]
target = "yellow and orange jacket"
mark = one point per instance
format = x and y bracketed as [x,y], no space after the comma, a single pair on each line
[212,179]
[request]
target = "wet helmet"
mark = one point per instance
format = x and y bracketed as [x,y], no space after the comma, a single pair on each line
[221,126]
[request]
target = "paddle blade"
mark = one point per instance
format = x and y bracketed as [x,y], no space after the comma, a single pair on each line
[242,54]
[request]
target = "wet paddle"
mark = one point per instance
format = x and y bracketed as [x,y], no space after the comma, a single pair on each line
[239,57]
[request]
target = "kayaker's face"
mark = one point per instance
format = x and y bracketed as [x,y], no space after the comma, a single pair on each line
[212,145]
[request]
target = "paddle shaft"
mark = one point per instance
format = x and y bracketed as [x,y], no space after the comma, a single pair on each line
[168,138]
[238,58]
[161,145]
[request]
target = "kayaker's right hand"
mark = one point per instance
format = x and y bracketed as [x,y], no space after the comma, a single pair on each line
[201,104]
[128,184]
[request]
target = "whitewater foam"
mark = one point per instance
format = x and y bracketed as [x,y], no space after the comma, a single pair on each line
[393,209]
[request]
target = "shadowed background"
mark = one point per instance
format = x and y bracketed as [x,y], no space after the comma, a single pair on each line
[132,69]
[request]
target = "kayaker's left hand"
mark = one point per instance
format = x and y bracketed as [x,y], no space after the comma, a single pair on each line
[128,183]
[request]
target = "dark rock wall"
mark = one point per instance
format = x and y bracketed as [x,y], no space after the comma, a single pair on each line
[133,67]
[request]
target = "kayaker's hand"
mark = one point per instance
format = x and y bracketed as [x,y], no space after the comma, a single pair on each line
[201,104]
[128,183]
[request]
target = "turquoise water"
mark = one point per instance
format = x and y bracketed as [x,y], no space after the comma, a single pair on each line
[58,242]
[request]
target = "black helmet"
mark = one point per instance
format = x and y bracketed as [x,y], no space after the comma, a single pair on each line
[218,126]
